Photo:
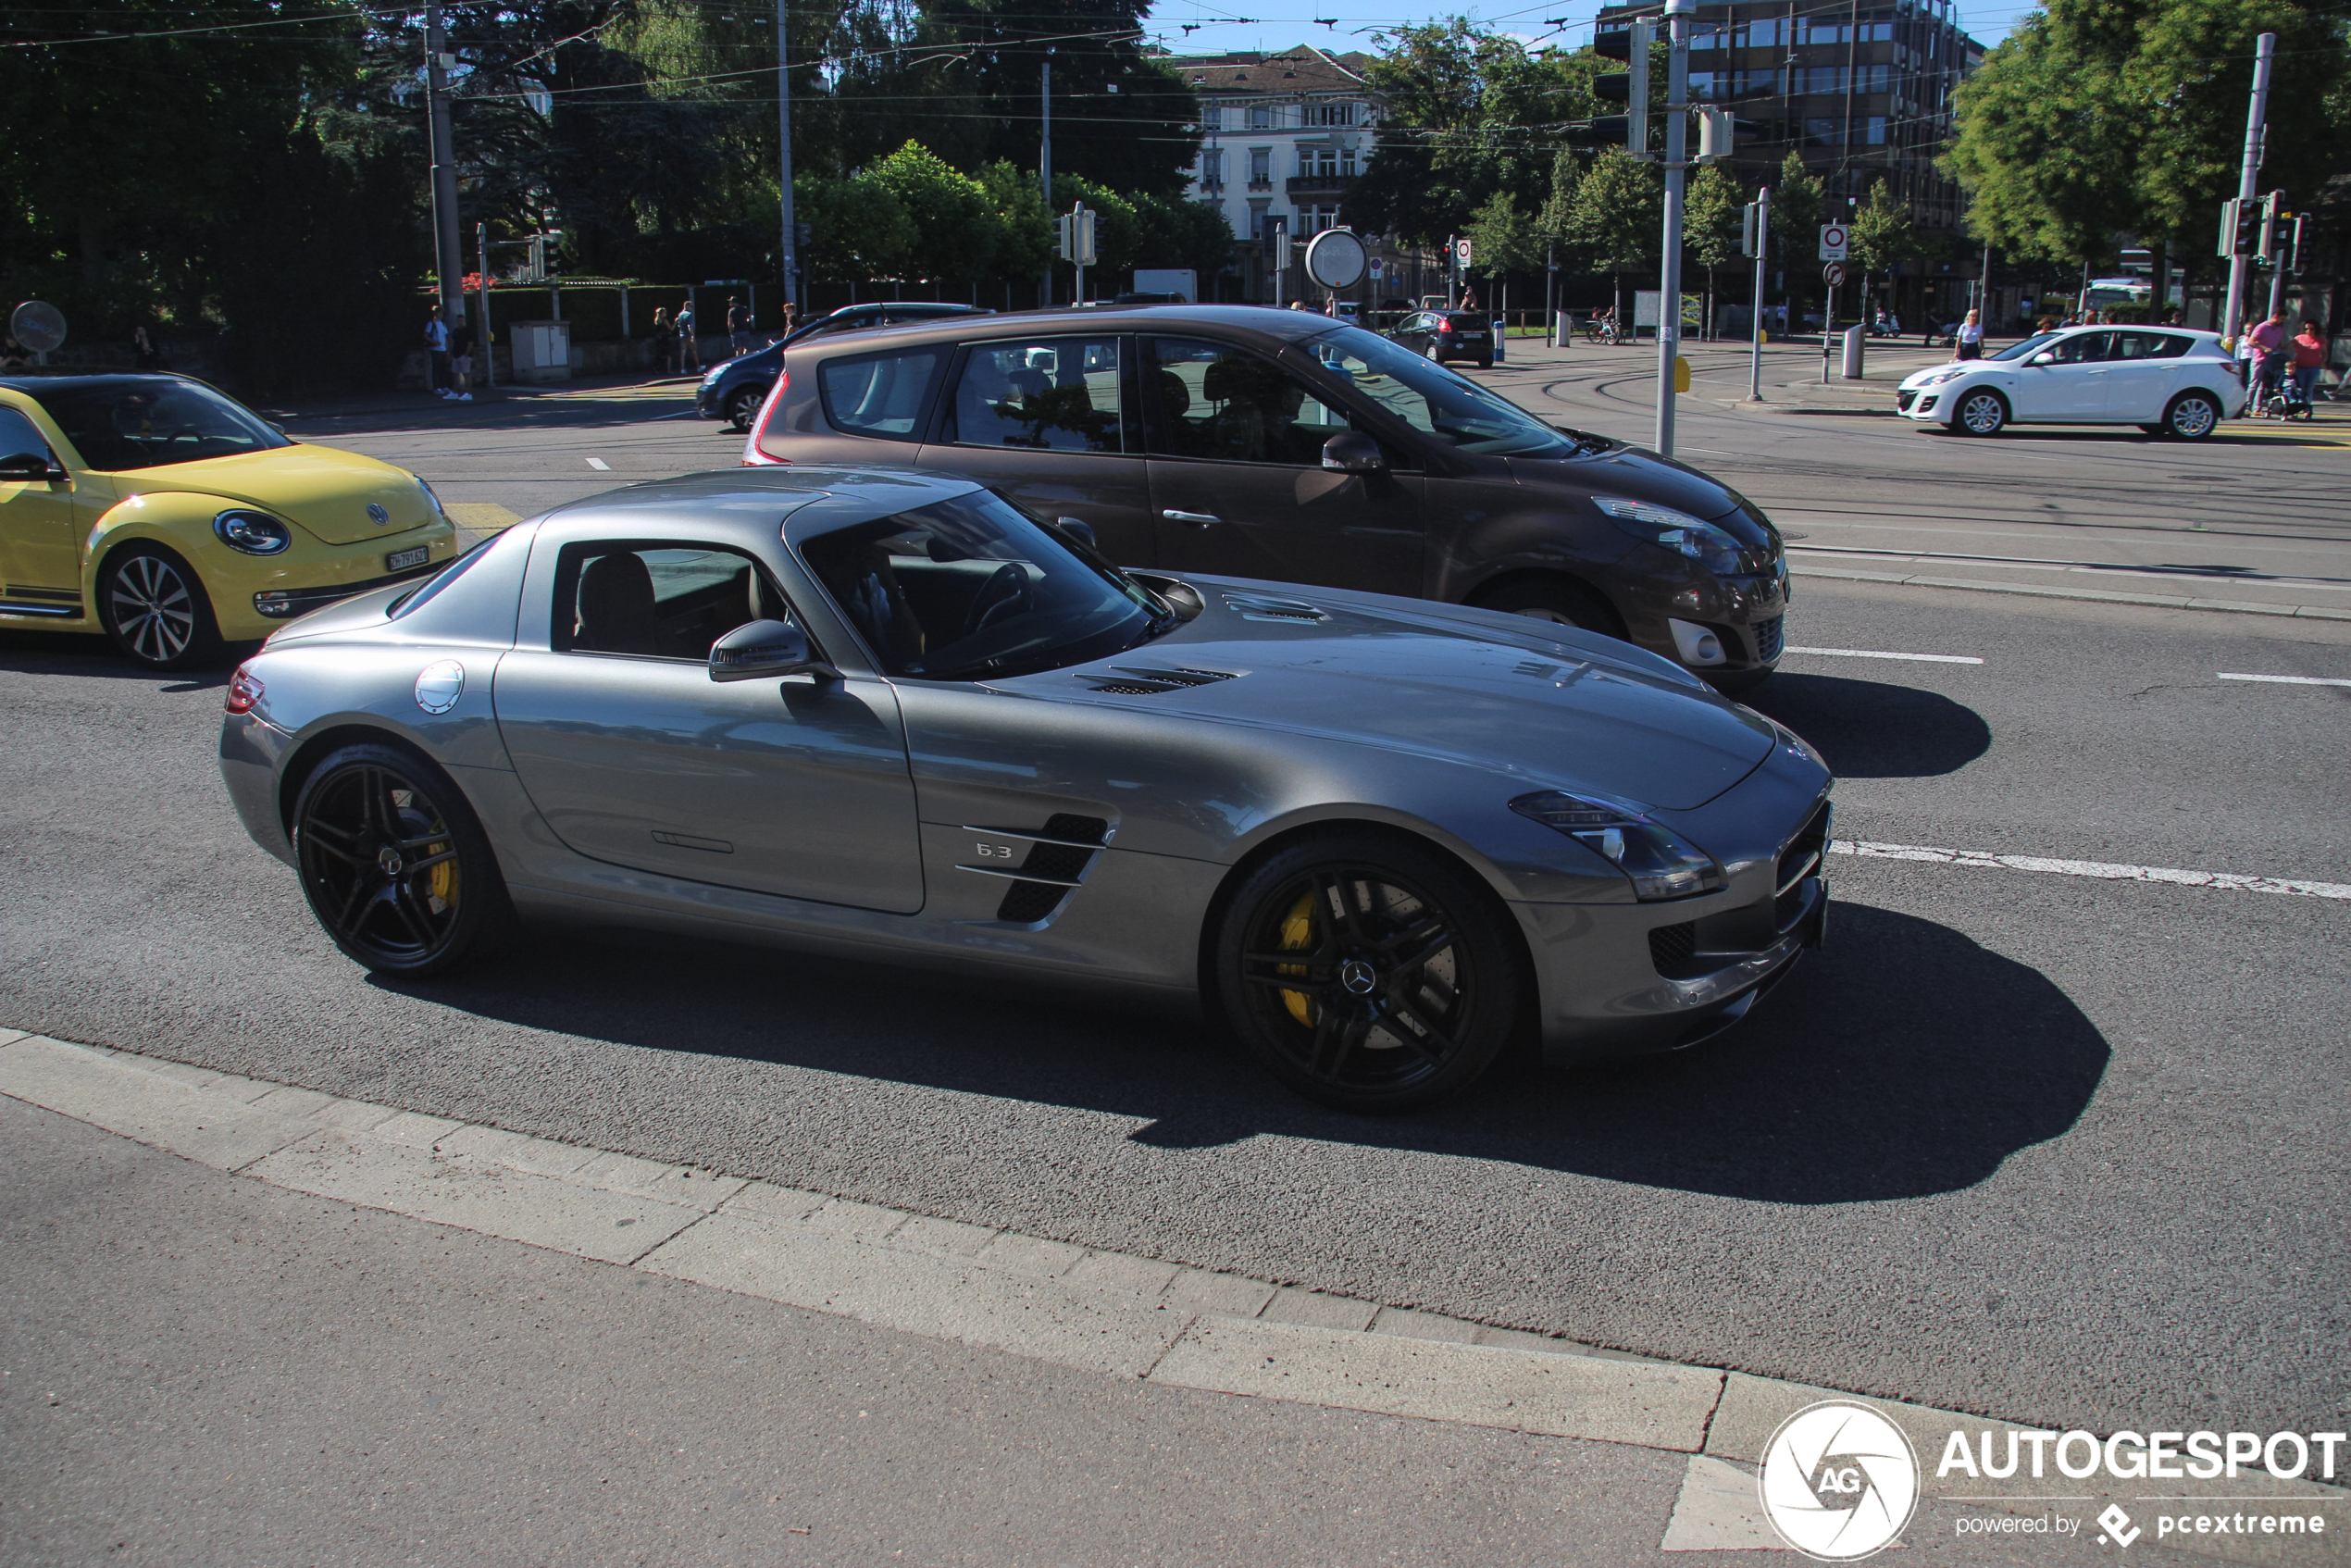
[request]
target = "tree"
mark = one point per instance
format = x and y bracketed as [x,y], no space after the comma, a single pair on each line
[1796,201]
[1710,225]
[1177,232]
[1617,218]
[956,232]
[1024,228]
[857,228]
[1880,235]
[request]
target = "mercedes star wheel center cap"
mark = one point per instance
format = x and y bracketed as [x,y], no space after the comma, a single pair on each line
[389,858]
[1357,976]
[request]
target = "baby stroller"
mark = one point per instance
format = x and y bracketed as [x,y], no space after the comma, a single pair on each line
[2290,401]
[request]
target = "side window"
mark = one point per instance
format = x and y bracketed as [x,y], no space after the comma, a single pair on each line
[656,601]
[1216,401]
[2164,345]
[1048,394]
[879,394]
[2083,348]
[18,434]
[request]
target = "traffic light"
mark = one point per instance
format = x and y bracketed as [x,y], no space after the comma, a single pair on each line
[2267,236]
[1753,225]
[2293,245]
[1073,237]
[2239,218]
[1629,87]
[1271,238]
[1717,134]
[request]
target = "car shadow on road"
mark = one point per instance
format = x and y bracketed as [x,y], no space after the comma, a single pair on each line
[1872,729]
[66,653]
[1903,1061]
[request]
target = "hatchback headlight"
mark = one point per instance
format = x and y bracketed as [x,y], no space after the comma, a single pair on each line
[1710,547]
[255,533]
[1661,864]
[1936,378]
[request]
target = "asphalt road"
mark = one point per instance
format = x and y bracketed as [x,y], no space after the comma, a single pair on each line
[2058,1150]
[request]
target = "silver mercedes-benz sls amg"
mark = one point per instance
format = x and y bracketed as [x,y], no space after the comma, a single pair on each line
[889,714]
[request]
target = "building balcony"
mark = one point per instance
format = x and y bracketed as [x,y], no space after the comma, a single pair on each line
[1315,184]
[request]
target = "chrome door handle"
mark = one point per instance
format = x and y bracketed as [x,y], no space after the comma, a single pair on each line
[1198,520]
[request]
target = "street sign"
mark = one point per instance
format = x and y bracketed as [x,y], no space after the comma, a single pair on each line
[1832,242]
[39,326]
[1833,272]
[1461,251]
[1375,267]
[1335,259]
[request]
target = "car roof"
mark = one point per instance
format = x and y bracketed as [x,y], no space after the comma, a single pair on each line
[749,503]
[17,381]
[1284,326]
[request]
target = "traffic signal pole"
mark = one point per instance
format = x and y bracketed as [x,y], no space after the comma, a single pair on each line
[783,143]
[2249,176]
[1678,135]
[448,262]
[1759,241]
[1045,164]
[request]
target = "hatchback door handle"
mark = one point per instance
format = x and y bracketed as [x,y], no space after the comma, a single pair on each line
[1198,520]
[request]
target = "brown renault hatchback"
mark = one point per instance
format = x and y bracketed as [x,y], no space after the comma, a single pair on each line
[1242,442]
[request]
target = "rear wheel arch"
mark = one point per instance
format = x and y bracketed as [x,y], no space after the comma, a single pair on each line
[312,750]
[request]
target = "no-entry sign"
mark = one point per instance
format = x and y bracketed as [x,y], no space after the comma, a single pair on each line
[1832,242]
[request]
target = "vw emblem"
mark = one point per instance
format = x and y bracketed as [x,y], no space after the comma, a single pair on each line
[389,858]
[1357,976]
[377,514]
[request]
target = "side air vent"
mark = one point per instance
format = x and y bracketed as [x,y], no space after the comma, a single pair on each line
[1134,681]
[1059,856]
[1266,607]
[1672,946]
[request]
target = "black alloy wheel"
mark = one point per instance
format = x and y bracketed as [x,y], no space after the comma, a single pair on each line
[2192,416]
[743,407]
[394,864]
[1369,972]
[155,609]
[1981,413]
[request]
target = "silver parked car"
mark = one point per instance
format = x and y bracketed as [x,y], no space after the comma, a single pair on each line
[889,714]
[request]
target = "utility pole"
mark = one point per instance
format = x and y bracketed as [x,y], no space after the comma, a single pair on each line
[1758,237]
[449,264]
[481,333]
[2265,49]
[783,145]
[1045,168]
[1678,135]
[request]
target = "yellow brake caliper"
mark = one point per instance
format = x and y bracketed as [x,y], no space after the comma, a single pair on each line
[1297,935]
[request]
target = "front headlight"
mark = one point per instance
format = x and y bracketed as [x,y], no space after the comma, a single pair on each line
[1936,378]
[711,377]
[1710,547]
[255,533]
[1661,864]
[432,501]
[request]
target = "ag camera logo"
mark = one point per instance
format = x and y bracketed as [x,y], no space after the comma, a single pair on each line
[1840,1481]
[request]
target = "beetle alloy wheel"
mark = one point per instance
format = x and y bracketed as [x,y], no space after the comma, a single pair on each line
[1361,981]
[152,609]
[379,861]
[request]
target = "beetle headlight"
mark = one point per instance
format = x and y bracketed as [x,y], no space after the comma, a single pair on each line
[1710,547]
[255,533]
[432,501]
[1660,863]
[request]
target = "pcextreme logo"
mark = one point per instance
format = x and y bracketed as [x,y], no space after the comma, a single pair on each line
[1839,1482]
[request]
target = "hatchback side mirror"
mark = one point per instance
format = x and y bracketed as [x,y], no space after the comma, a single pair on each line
[766,651]
[2045,358]
[30,468]
[1352,452]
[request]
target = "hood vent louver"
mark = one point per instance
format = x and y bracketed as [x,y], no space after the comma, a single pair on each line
[1266,607]
[1135,681]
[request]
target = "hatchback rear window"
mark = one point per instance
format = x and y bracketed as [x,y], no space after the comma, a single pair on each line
[879,394]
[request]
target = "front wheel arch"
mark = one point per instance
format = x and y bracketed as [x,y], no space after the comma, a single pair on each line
[2007,411]
[1511,591]
[2171,425]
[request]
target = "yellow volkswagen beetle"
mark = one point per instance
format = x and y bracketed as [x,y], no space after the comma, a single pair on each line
[161,512]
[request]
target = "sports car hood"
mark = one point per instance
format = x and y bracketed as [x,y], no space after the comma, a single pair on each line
[1569,712]
[324,490]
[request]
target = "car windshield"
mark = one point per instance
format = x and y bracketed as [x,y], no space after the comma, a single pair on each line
[120,423]
[1438,402]
[972,587]
[2030,345]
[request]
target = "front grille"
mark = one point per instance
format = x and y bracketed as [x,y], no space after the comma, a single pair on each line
[1672,946]
[1769,637]
[1800,859]
[1902,401]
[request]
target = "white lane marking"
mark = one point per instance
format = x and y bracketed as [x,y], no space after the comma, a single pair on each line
[1986,860]
[2283,679]
[1872,654]
[600,464]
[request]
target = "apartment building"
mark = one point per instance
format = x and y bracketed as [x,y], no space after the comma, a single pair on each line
[1862,89]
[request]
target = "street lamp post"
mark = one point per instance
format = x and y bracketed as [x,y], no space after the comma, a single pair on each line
[449,266]
[2265,49]
[783,160]
[1677,126]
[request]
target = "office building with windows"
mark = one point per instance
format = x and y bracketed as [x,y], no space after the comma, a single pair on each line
[1862,89]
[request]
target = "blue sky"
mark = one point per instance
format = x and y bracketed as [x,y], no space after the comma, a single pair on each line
[1278,24]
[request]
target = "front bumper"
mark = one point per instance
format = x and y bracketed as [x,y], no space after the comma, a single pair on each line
[1746,615]
[1633,979]
[252,596]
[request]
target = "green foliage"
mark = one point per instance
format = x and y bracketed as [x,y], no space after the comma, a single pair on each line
[1796,201]
[857,228]
[1183,233]
[1118,227]
[955,226]
[1470,114]
[1881,233]
[2099,119]
[1617,216]
[1024,228]
[1504,239]
[1710,218]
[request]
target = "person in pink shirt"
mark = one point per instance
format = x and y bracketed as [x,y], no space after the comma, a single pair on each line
[2268,338]
[2309,349]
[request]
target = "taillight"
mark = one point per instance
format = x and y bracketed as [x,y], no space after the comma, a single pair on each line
[244,690]
[1444,325]
[753,456]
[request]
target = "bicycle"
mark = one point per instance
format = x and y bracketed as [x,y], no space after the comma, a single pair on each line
[1603,331]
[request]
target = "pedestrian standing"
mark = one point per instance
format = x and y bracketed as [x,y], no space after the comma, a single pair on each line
[461,361]
[689,345]
[2270,354]
[791,318]
[737,328]
[665,341]
[1968,341]
[2309,362]
[437,353]
[143,353]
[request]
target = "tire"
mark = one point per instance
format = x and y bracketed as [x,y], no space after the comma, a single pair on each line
[1561,601]
[1981,413]
[2192,415]
[2154,429]
[1409,978]
[1486,365]
[743,407]
[153,606]
[394,864]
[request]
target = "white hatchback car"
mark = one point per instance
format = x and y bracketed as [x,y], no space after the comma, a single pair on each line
[2166,380]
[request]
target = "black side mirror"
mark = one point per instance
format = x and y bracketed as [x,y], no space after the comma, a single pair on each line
[766,651]
[1081,530]
[30,468]
[1352,452]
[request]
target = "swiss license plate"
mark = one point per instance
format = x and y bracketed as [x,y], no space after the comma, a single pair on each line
[401,560]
